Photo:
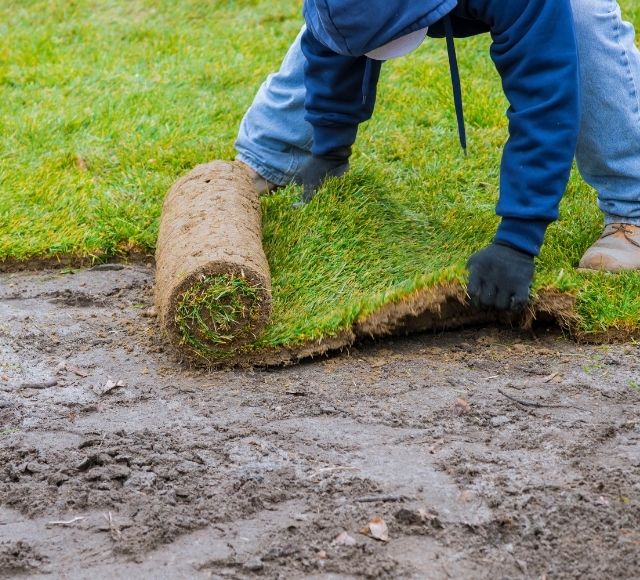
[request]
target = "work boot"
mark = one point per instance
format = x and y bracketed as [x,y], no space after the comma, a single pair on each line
[260,183]
[617,249]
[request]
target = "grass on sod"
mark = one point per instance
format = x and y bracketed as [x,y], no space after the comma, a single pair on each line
[104,103]
[210,312]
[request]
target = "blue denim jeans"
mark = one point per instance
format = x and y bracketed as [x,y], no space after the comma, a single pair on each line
[275,140]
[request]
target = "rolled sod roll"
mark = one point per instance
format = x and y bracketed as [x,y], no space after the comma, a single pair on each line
[213,286]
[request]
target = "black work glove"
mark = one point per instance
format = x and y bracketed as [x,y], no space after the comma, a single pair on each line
[320,167]
[500,277]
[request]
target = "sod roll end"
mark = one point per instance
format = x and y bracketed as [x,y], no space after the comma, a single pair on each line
[213,287]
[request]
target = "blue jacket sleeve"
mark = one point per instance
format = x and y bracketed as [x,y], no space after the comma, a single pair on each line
[340,94]
[534,50]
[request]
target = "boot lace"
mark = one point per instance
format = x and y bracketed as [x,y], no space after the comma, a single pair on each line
[626,231]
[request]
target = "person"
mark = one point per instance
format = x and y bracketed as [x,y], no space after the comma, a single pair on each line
[275,141]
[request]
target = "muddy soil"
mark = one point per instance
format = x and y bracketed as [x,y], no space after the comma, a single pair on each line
[488,453]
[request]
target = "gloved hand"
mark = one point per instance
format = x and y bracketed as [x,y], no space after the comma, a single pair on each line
[500,277]
[320,167]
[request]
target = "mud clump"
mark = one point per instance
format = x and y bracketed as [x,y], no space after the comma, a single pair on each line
[18,558]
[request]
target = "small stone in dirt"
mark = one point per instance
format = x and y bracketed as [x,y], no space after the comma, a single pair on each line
[344,539]
[86,463]
[418,517]
[254,565]
[141,480]
[461,407]
[431,516]
[408,517]
[92,461]
[57,478]
[90,442]
[499,421]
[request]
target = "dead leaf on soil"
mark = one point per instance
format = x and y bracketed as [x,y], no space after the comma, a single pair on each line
[461,407]
[377,529]
[344,539]
[77,371]
[107,387]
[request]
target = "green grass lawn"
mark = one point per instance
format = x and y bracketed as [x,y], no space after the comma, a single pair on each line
[104,103]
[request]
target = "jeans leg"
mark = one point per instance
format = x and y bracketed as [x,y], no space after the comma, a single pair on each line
[274,138]
[608,153]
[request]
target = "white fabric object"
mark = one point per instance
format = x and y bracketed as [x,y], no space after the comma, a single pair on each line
[399,46]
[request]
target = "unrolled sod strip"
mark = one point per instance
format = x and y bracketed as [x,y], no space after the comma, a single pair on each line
[213,287]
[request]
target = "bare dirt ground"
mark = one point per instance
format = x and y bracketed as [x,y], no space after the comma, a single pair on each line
[487,453]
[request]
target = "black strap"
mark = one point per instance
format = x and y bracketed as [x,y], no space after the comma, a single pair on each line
[455,81]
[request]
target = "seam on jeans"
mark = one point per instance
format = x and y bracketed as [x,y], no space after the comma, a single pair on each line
[293,166]
[627,64]
[309,143]
[295,163]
